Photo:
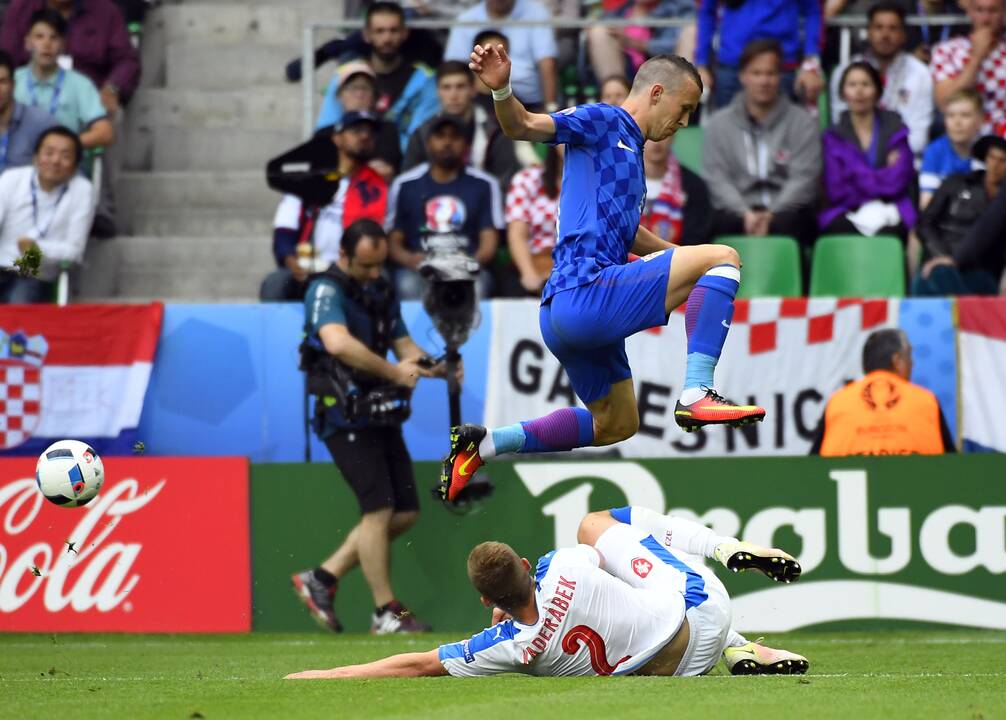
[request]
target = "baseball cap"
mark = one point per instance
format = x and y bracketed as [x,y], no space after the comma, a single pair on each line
[356,117]
[445,119]
[986,143]
[354,67]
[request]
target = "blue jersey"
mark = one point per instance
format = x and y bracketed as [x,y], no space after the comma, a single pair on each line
[938,161]
[602,196]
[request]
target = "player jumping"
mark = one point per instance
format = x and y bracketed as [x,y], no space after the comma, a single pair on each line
[594,299]
[620,603]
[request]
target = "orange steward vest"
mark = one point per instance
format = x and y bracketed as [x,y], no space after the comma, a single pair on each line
[882,414]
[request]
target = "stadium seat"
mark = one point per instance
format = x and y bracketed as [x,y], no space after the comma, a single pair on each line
[824,106]
[688,148]
[857,266]
[771,265]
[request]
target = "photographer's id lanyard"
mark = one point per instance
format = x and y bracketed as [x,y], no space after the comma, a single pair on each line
[56,90]
[34,208]
[5,147]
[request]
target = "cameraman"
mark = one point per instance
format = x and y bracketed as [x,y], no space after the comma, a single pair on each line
[352,319]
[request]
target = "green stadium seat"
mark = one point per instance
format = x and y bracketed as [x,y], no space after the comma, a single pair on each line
[688,148]
[771,265]
[857,266]
[824,106]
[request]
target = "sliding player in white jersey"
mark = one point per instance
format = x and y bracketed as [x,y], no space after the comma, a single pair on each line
[621,602]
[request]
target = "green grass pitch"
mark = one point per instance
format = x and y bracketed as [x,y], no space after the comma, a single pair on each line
[912,674]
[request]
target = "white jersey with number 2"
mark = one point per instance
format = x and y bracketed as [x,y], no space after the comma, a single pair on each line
[589,623]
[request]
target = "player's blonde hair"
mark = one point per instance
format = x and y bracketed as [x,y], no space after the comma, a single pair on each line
[498,574]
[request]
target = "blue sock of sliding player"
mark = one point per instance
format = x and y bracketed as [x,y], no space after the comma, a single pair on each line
[707,321]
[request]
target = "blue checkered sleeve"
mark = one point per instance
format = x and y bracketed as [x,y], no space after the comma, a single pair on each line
[584,124]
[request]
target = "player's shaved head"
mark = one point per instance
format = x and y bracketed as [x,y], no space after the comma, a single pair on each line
[499,575]
[668,70]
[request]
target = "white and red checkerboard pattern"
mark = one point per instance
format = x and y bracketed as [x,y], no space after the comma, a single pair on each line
[20,397]
[528,202]
[764,316]
[949,59]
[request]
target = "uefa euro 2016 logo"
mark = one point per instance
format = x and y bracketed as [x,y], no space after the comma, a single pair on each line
[445,214]
[21,358]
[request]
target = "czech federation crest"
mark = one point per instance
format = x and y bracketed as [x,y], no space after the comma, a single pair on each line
[21,358]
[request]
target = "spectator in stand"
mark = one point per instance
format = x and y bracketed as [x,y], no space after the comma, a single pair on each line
[868,165]
[953,223]
[919,38]
[20,125]
[45,205]
[446,201]
[762,155]
[883,413]
[922,38]
[616,51]
[406,92]
[301,246]
[531,207]
[743,21]
[976,62]
[677,208]
[69,96]
[908,86]
[97,41]
[357,92]
[489,149]
[950,154]
[567,40]
[533,51]
[99,46]
[614,89]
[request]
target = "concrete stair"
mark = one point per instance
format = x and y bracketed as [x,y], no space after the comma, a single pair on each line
[195,212]
[189,269]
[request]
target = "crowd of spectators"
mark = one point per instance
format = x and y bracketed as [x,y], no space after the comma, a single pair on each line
[794,142]
[67,70]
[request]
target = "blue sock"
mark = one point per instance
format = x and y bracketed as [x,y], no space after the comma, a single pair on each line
[560,430]
[707,321]
[507,439]
[699,369]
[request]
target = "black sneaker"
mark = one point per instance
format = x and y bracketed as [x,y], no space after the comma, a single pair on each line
[396,618]
[320,600]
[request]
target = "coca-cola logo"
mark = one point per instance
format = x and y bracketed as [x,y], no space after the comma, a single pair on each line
[98,576]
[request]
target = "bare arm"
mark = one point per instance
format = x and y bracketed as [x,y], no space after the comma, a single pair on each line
[98,134]
[982,43]
[646,242]
[425,664]
[401,254]
[488,243]
[405,348]
[549,79]
[492,65]
[348,349]
[518,235]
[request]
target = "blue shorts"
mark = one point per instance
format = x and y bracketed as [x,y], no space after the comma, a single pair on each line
[585,327]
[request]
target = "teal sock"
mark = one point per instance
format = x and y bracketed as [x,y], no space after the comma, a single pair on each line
[506,439]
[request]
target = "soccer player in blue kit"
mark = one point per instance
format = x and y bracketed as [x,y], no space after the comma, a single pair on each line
[594,298]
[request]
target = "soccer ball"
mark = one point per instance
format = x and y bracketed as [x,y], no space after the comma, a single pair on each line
[69,473]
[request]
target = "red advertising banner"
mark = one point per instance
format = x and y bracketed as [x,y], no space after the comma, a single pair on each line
[163,548]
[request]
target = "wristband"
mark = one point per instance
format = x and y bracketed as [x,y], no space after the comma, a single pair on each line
[503,94]
[811,64]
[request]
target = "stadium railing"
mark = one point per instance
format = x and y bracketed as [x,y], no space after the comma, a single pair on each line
[310,33]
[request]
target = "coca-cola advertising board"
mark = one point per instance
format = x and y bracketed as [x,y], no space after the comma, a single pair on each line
[163,548]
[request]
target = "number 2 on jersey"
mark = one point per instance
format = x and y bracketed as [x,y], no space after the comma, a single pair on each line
[595,646]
